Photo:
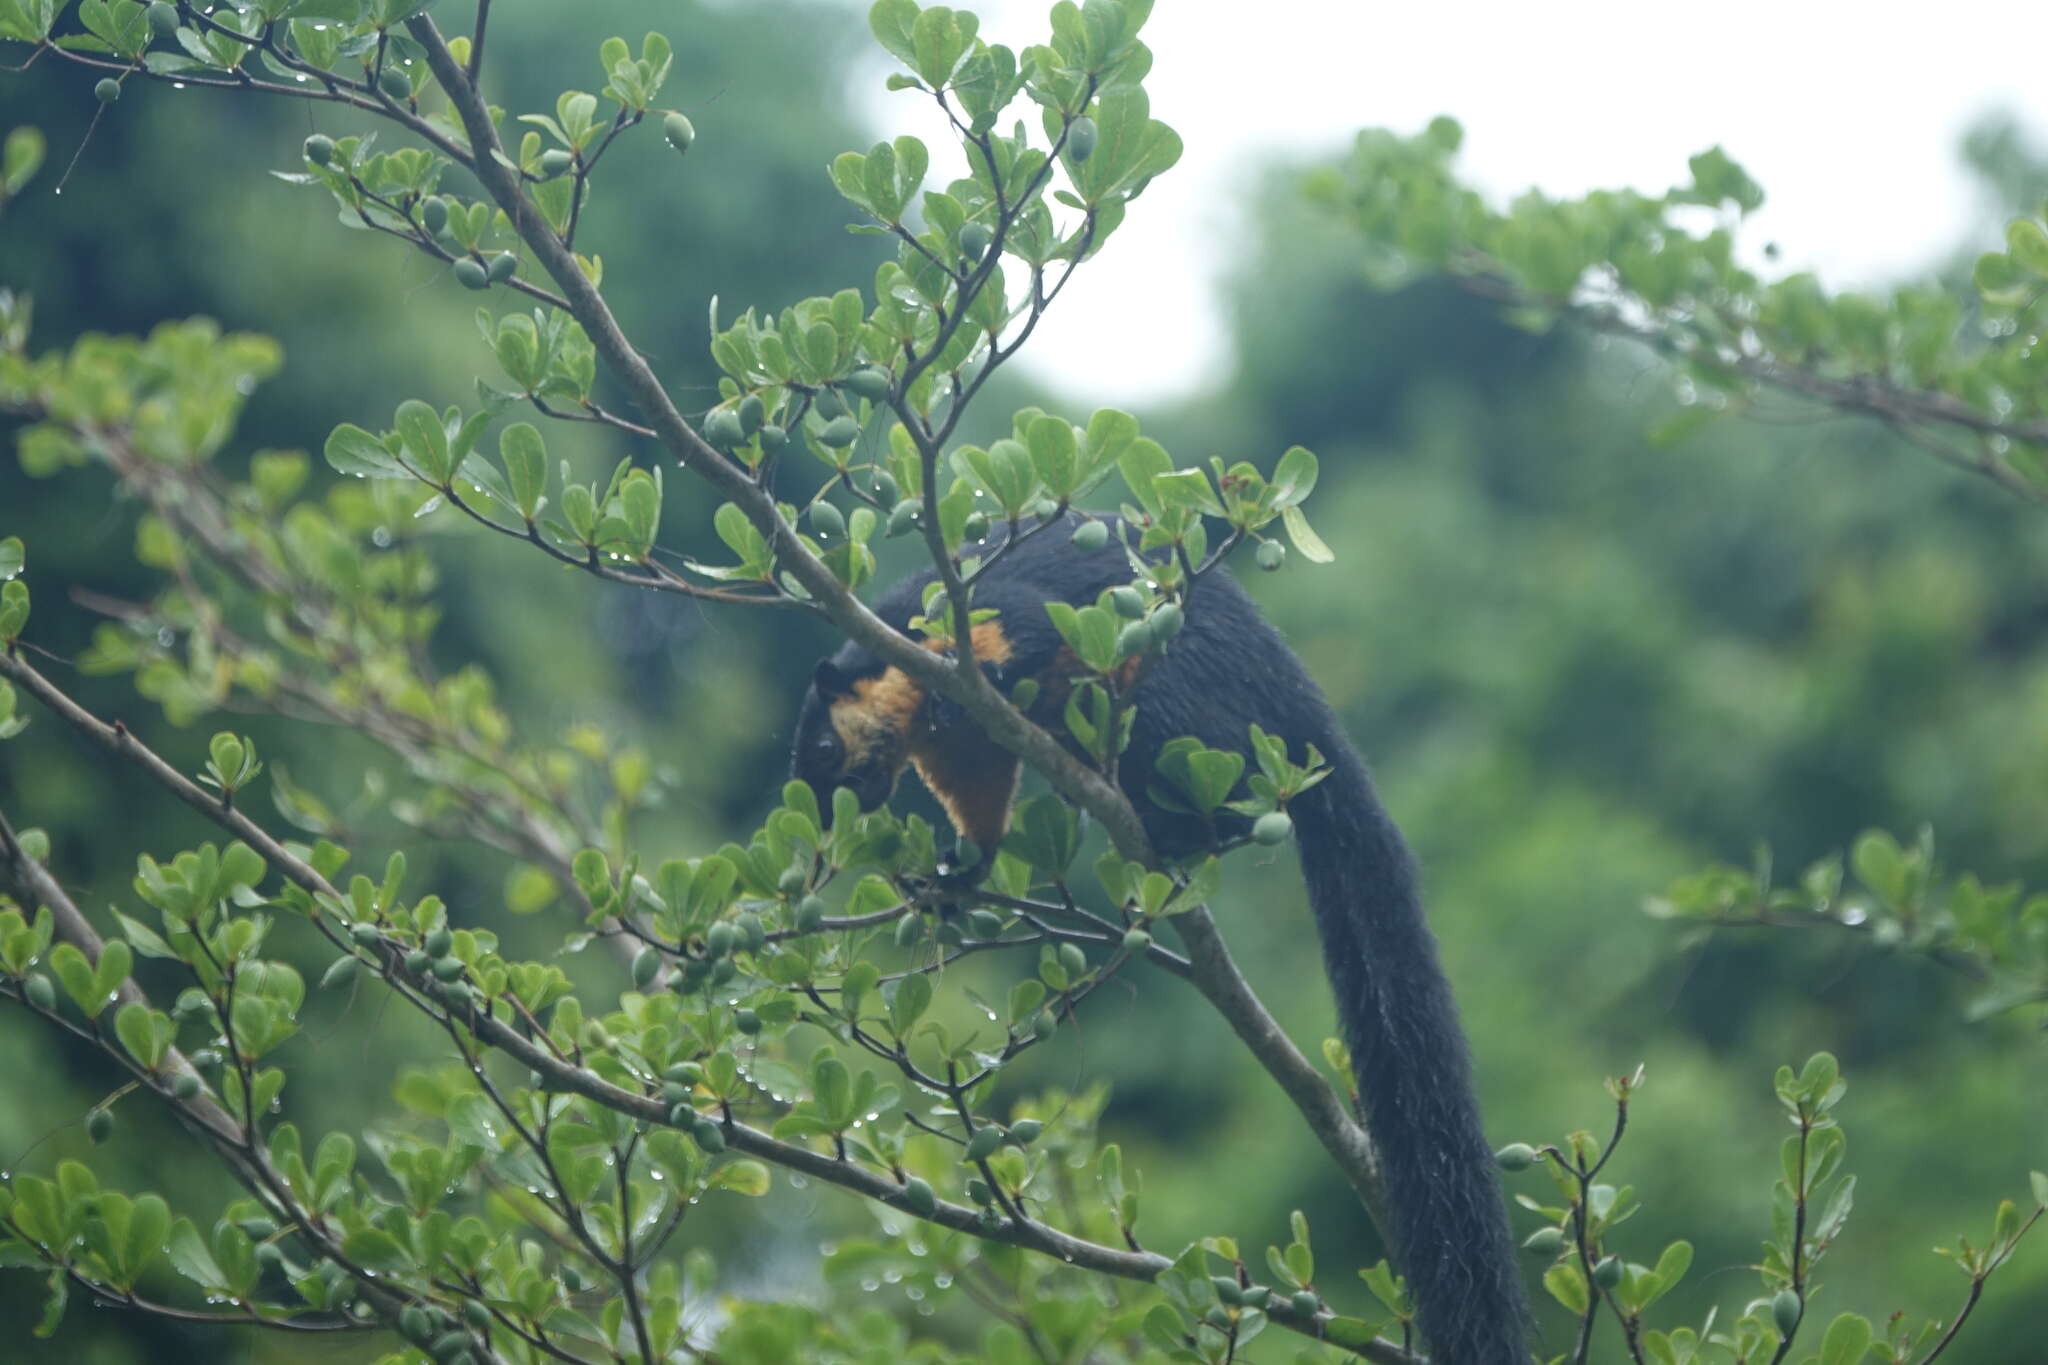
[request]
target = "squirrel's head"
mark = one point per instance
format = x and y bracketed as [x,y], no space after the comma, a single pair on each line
[855,731]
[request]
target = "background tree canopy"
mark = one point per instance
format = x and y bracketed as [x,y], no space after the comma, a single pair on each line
[1590,646]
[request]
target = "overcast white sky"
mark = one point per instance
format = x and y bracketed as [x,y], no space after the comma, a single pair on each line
[1849,114]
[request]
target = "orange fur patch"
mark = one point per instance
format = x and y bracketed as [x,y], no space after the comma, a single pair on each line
[972,776]
[875,721]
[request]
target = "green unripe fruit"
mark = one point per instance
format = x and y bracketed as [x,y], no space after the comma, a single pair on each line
[1073,959]
[365,935]
[918,1197]
[746,1021]
[679,132]
[976,525]
[983,1144]
[810,913]
[839,433]
[434,214]
[1227,1289]
[685,1073]
[1255,1295]
[674,1093]
[752,932]
[258,1228]
[720,939]
[646,966]
[1306,1303]
[885,486]
[501,267]
[418,961]
[1607,1272]
[205,1057]
[40,992]
[340,972]
[458,995]
[394,83]
[869,382]
[1219,1318]
[708,1136]
[99,1125]
[792,879]
[902,518]
[186,1087]
[909,930]
[949,933]
[163,17]
[984,923]
[828,404]
[1516,1156]
[319,149]
[722,428]
[414,1322]
[974,240]
[447,1346]
[107,91]
[1134,639]
[1127,602]
[555,162]
[470,274]
[1024,1132]
[683,1116]
[476,1315]
[1167,621]
[1272,828]
[827,520]
[773,439]
[1786,1310]
[1045,1026]
[448,968]
[1136,940]
[1272,555]
[979,1192]
[438,942]
[723,971]
[1091,536]
[1544,1242]
[1081,135]
[752,413]
[1024,693]
[571,1278]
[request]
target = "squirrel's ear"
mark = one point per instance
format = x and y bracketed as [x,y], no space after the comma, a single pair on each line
[831,680]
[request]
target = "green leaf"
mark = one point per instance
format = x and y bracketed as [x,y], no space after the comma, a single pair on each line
[353,451]
[1295,477]
[1848,1338]
[1304,537]
[1567,1284]
[187,1252]
[742,1177]
[1142,459]
[891,22]
[525,457]
[426,440]
[376,1249]
[12,557]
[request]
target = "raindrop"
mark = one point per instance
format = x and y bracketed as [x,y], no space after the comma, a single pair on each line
[869,1286]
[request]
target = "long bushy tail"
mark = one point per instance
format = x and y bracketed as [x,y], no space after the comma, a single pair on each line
[1450,1231]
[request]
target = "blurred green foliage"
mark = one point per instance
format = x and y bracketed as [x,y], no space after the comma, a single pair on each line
[1585,666]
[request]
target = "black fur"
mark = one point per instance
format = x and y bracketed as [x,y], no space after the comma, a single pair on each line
[1227,669]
